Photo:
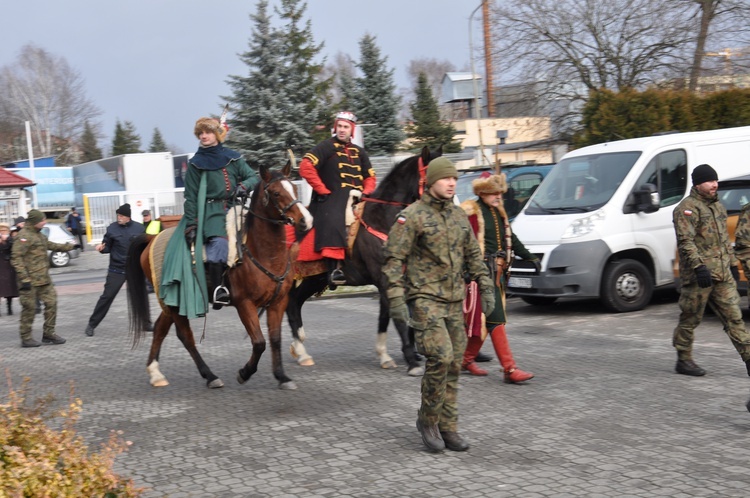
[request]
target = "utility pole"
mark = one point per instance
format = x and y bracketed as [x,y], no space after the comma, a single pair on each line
[488,58]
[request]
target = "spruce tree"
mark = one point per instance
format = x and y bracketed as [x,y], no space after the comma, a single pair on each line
[375,100]
[426,128]
[278,104]
[126,140]
[157,142]
[89,149]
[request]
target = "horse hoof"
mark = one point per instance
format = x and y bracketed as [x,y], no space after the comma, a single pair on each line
[240,379]
[307,362]
[160,383]
[216,383]
[416,372]
[288,386]
[388,364]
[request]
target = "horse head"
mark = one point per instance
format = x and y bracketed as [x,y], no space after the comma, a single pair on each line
[405,182]
[274,197]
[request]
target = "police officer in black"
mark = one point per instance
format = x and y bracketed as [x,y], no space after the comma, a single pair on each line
[115,243]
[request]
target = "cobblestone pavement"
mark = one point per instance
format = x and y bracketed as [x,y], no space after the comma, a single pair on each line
[605,415]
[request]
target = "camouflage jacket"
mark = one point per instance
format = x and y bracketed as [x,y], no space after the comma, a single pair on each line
[742,234]
[702,239]
[428,249]
[29,256]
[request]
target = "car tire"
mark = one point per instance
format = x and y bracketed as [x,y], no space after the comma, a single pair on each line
[627,286]
[59,259]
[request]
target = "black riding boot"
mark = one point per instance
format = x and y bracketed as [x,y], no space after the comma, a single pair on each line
[219,294]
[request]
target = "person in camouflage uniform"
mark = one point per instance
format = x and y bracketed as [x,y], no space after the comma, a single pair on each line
[429,249]
[30,260]
[708,270]
[742,240]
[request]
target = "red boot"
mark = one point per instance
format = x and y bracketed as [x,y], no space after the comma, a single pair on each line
[473,345]
[513,375]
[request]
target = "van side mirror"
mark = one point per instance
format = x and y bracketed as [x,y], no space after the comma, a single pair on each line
[647,198]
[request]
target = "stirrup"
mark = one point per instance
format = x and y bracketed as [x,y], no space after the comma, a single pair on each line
[222,302]
[337,277]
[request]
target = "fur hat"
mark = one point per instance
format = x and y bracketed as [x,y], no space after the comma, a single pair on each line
[35,216]
[124,210]
[488,183]
[704,173]
[440,168]
[4,227]
[211,125]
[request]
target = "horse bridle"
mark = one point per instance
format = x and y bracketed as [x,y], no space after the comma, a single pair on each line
[284,219]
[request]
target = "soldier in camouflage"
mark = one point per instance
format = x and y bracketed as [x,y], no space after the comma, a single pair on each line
[30,260]
[742,240]
[429,249]
[708,270]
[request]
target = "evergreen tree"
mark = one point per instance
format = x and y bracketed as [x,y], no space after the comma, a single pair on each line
[374,99]
[426,127]
[126,140]
[157,142]
[89,149]
[279,103]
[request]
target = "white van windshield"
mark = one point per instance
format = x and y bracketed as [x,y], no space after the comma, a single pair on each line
[581,184]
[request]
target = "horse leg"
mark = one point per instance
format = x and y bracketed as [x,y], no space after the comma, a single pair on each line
[297,298]
[249,316]
[275,315]
[185,335]
[381,344]
[414,369]
[161,329]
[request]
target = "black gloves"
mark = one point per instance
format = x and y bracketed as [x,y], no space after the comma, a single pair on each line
[735,273]
[537,265]
[239,191]
[322,198]
[703,276]
[25,286]
[190,232]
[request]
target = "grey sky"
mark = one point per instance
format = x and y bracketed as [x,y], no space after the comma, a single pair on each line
[164,63]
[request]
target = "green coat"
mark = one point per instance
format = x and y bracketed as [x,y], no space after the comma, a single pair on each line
[223,173]
[29,256]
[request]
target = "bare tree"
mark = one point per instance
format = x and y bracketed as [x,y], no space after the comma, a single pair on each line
[43,89]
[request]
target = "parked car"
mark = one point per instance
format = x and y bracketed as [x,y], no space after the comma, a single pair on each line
[56,233]
[733,194]
[522,182]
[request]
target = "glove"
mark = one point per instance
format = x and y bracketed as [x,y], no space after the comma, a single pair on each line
[703,276]
[735,273]
[25,286]
[537,265]
[190,235]
[322,198]
[488,302]
[399,310]
[239,191]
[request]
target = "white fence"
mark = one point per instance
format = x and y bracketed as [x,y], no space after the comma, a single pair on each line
[100,209]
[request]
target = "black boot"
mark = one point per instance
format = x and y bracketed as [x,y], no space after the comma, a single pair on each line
[336,276]
[10,307]
[219,295]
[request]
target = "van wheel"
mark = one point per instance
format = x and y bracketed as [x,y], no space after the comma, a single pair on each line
[626,286]
[538,300]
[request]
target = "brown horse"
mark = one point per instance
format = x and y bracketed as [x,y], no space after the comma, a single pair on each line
[261,282]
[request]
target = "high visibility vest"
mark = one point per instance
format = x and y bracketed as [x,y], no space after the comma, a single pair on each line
[154,227]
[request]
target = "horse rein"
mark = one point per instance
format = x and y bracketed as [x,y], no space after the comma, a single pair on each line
[284,220]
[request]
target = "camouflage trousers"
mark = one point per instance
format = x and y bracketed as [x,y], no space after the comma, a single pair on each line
[440,336]
[48,296]
[725,302]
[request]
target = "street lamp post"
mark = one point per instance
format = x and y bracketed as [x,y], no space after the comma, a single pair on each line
[477,111]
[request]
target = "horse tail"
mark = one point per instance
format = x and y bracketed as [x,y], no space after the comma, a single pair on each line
[138,306]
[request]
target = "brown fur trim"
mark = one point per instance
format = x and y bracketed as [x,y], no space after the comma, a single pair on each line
[494,184]
[471,208]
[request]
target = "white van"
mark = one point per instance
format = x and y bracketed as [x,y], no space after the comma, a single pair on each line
[601,222]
